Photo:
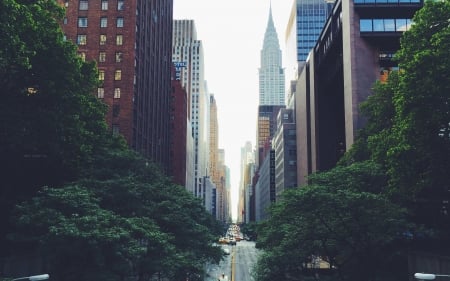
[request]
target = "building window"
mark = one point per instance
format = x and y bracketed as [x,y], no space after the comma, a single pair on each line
[100,93]
[116,110]
[119,40]
[120,5]
[84,5]
[365,25]
[82,56]
[115,129]
[118,75]
[81,39]
[118,56]
[101,75]
[82,22]
[103,22]
[102,39]
[65,20]
[104,5]
[120,22]
[117,93]
[102,57]
[384,25]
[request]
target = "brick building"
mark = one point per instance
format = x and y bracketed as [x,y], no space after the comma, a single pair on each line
[131,43]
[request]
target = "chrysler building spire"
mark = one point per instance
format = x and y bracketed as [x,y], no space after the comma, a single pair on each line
[271,73]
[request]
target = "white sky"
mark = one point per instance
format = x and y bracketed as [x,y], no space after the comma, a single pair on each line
[232,34]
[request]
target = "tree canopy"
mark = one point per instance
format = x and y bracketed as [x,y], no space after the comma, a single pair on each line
[87,205]
[126,222]
[349,228]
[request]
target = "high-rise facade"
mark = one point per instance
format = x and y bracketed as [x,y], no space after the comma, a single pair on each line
[223,189]
[285,147]
[247,158]
[213,141]
[303,29]
[188,51]
[214,165]
[179,128]
[271,89]
[266,128]
[133,59]
[271,73]
[355,49]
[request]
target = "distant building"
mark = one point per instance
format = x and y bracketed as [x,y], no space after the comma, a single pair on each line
[271,73]
[213,141]
[209,196]
[187,50]
[178,129]
[247,158]
[223,189]
[133,58]
[265,187]
[285,147]
[266,128]
[248,210]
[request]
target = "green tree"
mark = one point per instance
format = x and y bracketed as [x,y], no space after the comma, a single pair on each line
[81,240]
[418,158]
[157,228]
[418,161]
[51,125]
[337,219]
[48,111]
[375,138]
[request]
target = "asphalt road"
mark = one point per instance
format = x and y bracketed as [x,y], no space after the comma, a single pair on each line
[238,265]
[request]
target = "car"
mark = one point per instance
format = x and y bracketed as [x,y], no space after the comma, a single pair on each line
[224,240]
[232,241]
[226,251]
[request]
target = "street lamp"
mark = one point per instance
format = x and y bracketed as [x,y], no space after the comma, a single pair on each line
[428,276]
[33,277]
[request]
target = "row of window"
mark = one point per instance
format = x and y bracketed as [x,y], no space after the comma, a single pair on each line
[117,75]
[101,93]
[83,22]
[84,5]
[82,39]
[384,25]
[102,57]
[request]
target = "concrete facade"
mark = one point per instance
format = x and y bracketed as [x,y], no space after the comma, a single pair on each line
[188,51]
[339,75]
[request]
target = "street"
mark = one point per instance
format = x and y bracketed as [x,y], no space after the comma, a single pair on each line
[238,265]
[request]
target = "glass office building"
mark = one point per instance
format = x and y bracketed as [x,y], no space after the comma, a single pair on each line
[304,27]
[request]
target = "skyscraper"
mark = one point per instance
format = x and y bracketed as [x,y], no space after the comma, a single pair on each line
[133,58]
[271,73]
[179,128]
[303,29]
[271,88]
[188,51]
[358,41]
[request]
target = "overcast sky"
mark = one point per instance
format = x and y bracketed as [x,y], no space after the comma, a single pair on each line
[232,34]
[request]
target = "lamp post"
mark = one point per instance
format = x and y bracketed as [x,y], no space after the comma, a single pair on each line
[33,277]
[428,276]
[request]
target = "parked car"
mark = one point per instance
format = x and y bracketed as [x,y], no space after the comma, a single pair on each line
[232,241]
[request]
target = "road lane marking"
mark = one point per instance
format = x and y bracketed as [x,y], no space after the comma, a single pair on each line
[233,264]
